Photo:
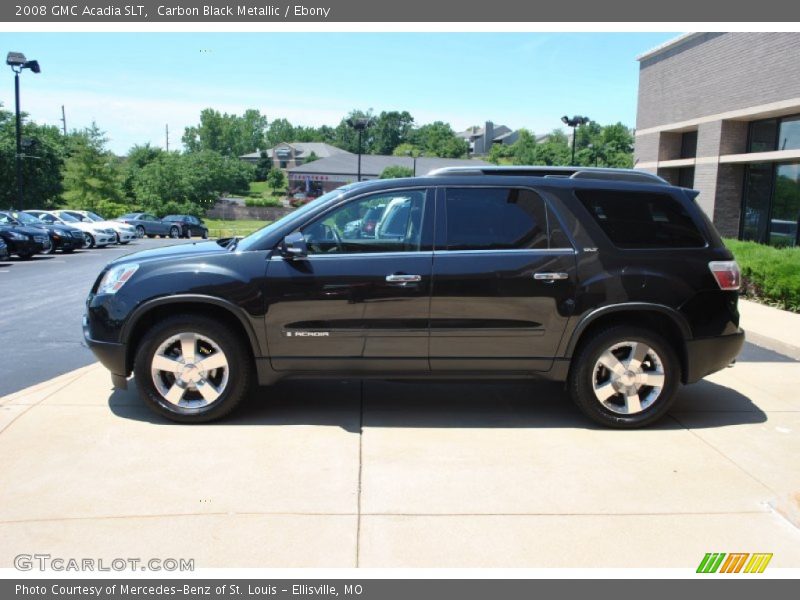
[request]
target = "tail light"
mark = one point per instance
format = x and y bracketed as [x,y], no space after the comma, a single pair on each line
[727,274]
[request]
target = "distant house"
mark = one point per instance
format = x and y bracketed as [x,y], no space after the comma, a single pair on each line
[481,139]
[288,155]
[335,171]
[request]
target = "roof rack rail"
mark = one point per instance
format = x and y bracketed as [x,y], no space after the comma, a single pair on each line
[596,173]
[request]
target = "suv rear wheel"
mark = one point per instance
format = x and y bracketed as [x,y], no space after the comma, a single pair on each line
[191,369]
[624,377]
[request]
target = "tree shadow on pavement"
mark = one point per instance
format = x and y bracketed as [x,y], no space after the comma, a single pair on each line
[353,404]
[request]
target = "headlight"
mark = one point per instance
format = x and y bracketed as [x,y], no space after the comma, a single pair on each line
[17,236]
[115,278]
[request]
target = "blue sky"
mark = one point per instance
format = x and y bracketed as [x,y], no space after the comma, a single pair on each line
[132,84]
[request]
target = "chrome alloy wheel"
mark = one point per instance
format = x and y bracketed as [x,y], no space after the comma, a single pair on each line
[628,377]
[190,370]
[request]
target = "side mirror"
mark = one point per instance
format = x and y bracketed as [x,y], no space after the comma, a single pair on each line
[294,246]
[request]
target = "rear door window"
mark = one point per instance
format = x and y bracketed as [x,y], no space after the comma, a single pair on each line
[495,219]
[642,219]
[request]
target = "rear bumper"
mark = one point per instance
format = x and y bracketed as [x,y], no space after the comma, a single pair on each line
[708,355]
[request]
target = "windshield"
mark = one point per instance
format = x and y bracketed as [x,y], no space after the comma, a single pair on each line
[130,216]
[67,217]
[26,219]
[173,218]
[252,241]
[94,216]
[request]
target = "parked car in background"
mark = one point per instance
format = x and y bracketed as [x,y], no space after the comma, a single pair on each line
[147,224]
[62,237]
[189,225]
[365,226]
[124,233]
[93,235]
[23,241]
[3,249]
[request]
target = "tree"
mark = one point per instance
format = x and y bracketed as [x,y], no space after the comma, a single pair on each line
[407,149]
[312,156]
[91,173]
[138,158]
[44,152]
[396,171]
[280,131]
[227,134]
[196,178]
[277,182]
[346,138]
[389,130]
[439,139]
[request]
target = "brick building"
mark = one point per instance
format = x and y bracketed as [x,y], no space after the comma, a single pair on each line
[720,112]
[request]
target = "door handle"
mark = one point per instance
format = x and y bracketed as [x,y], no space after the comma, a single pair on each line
[398,278]
[550,276]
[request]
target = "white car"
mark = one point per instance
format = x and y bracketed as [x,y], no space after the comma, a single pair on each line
[93,235]
[124,232]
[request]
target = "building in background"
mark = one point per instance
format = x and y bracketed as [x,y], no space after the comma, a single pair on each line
[335,171]
[481,139]
[288,155]
[720,112]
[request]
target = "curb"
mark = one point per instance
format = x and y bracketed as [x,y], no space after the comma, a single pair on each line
[772,344]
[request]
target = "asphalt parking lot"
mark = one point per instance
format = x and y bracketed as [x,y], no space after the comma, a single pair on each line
[379,473]
[40,316]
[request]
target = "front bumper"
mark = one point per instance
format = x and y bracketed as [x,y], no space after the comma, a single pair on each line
[110,354]
[125,236]
[104,239]
[709,355]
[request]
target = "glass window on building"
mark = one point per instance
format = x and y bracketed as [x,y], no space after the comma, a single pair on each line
[757,195]
[763,135]
[785,206]
[789,134]
[689,144]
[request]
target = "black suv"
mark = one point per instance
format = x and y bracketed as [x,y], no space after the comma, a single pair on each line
[612,281]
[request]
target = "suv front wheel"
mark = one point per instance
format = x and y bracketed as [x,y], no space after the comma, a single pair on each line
[624,377]
[191,369]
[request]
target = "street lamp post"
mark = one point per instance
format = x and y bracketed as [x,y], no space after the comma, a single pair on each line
[360,124]
[18,62]
[414,157]
[574,122]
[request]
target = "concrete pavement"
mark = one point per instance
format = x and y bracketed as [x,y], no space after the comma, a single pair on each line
[778,330]
[402,474]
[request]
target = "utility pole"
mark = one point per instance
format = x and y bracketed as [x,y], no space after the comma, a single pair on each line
[63,121]
[166,130]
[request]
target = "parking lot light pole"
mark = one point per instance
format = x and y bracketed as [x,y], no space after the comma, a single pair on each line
[18,62]
[360,124]
[574,122]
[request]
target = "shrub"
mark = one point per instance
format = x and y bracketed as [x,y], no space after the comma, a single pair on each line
[262,202]
[770,275]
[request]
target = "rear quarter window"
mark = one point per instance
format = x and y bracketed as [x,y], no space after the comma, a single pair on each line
[642,219]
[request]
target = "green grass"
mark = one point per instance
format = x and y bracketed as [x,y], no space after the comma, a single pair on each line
[220,228]
[769,275]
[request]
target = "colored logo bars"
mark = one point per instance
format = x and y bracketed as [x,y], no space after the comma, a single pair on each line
[735,562]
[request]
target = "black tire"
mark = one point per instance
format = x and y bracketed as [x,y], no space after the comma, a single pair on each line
[88,240]
[583,376]
[51,249]
[240,368]
[116,237]
[205,234]
[140,231]
[174,233]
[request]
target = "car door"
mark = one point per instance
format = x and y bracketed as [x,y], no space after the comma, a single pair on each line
[502,294]
[152,224]
[355,303]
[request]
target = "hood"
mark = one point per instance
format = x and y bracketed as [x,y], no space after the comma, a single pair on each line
[172,252]
[23,229]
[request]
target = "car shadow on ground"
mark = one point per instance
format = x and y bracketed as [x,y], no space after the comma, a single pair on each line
[353,404]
